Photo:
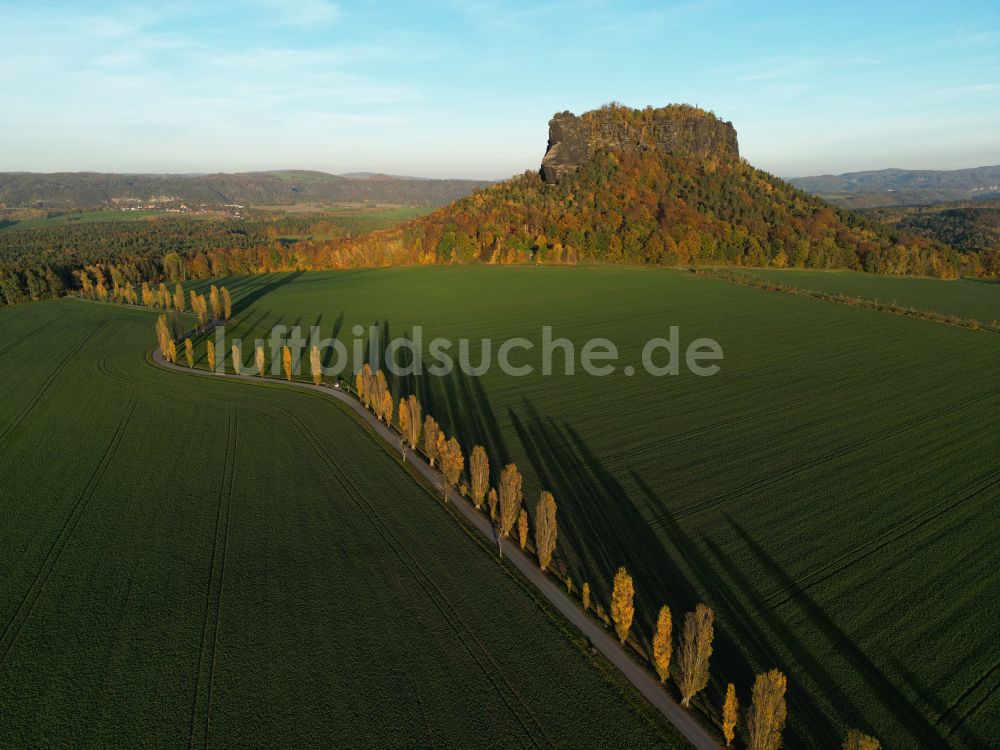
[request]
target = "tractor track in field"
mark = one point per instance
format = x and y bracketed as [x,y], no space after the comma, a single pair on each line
[33,401]
[886,538]
[34,332]
[426,582]
[202,703]
[30,599]
[725,424]
[846,450]
[960,720]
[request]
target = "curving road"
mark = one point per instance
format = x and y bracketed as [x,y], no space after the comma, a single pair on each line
[601,640]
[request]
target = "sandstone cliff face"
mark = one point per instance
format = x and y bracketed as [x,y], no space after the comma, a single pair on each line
[676,129]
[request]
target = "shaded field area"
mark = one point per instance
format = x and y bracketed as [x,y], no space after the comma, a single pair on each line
[966,298]
[198,563]
[831,492]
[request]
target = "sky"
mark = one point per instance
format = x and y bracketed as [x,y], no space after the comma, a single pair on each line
[466,89]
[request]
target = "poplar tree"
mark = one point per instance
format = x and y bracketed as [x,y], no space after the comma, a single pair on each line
[216,303]
[510,498]
[546,529]
[404,425]
[286,362]
[452,461]
[162,334]
[730,714]
[491,501]
[227,304]
[622,603]
[694,652]
[430,438]
[260,361]
[172,352]
[585,596]
[189,352]
[857,740]
[315,365]
[237,360]
[479,470]
[164,296]
[663,643]
[767,714]
[413,431]
[210,353]
[179,297]
[387,407]
[522,528]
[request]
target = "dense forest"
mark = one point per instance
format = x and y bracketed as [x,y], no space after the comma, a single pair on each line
[619,207]
[968,226]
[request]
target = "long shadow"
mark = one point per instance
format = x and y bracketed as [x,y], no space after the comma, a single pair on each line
[268,284]
[883,691]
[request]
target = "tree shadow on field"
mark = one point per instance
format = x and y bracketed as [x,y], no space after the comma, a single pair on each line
[265,286]
[882,690]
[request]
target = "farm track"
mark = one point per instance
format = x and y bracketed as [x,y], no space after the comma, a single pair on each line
[758,484]
[202,703]
[27,605]
[434,593]
[888,537]
[33,401]
[960,720]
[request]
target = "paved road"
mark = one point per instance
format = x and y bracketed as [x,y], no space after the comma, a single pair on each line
[602,641]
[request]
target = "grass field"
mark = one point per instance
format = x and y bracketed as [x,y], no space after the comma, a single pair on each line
[966,298]
[831,492]
[189,562]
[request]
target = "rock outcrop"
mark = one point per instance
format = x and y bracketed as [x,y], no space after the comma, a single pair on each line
[676,129]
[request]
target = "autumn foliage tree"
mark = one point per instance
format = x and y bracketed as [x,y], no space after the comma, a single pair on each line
[695,651]
[171,352]
[431,439]
[286,362]
[492,501]
[510,498]
[163,336]
[663,643]
[237,359]
[260,361]
[387,407]
[522,528]
[315,365]
[766,717]
[546,529]
[189,352]
[210,354]
[585,596]
[216,302]
[227,304]
[622,603]
[479,471]
[730,714]
[452,461]
[179,297]
[857,740]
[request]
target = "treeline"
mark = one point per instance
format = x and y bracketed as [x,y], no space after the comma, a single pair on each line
[684,659]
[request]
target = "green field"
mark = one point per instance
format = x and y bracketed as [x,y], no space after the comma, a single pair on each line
[966,298]
[100,217]
[831,492]
[189,562]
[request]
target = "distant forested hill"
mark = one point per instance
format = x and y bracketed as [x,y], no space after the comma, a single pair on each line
[966,225]
[903,187]
[90,189]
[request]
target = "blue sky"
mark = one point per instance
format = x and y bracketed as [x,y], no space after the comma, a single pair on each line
[467,89]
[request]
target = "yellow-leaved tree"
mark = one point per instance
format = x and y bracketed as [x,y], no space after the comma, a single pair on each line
[730,714]
[210,354]
[510,498]
[663,643]
[695,651]
[286,362]
[546,529]
[412,430]
[766,717]
[479,471]
[315,365]
[622,603]
[189,352]
[492,501]
[213,297]
[857,740]
[179,297]
[237,359]
[522,528]
[227,304]
[452,461]
[172,352]
[387,407]
[430,438]
[585,596]
[260,361]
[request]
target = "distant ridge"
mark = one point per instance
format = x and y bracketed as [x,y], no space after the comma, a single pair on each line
[903,187]
[63,190]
